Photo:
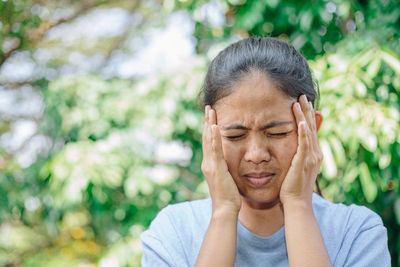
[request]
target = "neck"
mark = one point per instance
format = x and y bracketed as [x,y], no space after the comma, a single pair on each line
[264,221]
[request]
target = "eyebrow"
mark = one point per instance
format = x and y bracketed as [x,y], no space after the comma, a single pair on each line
[236,126]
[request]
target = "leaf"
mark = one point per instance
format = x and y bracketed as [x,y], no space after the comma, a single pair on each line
[361,88]
[330,170]
[397,210]
[338,150]
[248,18]
[391,60]
[374,67]
[384,161]
[364,58]
[367,138]
[272,3]
[351,174]
[306,19]
[299,40]
[368,186]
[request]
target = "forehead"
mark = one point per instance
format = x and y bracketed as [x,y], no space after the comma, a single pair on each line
[254,100]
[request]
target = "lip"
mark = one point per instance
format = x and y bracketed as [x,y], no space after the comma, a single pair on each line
[259,179]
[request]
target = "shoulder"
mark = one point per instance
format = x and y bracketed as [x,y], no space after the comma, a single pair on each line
[353,235]
[175,235]
[195,211]
[352,215]
[178,219]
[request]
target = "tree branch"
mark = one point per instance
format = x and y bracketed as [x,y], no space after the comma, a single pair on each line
[35,34]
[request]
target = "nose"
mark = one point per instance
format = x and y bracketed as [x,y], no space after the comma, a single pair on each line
[257,150]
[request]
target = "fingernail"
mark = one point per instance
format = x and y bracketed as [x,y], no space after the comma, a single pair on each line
[297,105]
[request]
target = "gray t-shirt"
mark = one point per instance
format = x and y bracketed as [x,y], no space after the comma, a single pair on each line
[353,236]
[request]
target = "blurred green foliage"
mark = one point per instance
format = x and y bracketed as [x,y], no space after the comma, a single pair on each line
[105,177]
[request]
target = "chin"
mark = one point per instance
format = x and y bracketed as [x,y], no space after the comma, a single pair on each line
[259,202]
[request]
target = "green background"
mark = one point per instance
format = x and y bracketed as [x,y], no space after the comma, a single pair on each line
[85,199]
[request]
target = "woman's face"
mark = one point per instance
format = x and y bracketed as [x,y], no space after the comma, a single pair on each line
[259,137]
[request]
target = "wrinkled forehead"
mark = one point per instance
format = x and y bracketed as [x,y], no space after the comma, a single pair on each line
[254,99]
[252,90]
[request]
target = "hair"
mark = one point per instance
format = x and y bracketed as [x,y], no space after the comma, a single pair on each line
[276,59]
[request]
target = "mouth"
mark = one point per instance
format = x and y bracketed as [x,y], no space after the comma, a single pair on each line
[259,179]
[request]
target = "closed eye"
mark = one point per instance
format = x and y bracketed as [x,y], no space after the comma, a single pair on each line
[234,137]
[278,134]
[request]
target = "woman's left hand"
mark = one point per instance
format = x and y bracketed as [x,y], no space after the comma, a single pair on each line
[302,174]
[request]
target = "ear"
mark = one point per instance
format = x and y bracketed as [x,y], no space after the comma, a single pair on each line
[318,119]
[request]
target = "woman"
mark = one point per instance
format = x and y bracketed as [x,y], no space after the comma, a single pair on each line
[261,159]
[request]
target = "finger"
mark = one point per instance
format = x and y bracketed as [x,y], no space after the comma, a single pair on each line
[302,141]
[206,137]
[298,114]
[299,158]
[312,124]
[206,109]
[305,108]
[313,128]
[212,117]
[206,143]
[205,121]
[305,137]
[312,111]
[218,154]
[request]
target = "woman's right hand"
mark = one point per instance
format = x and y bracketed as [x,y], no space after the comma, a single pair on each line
[219,244]
[223,190]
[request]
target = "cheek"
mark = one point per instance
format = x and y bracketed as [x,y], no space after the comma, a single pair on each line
[287,151]
[231,154]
